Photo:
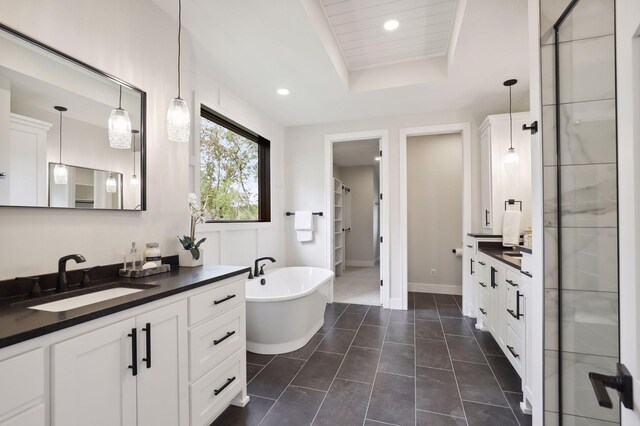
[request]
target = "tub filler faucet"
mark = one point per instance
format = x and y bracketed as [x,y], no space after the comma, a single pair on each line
[257,271]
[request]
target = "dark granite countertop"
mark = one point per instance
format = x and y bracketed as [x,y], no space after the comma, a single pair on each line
[498,254]
[19,323]
[524,249]
[483,235]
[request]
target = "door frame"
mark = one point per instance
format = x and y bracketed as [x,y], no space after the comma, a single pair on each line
[465,130]
[385,223]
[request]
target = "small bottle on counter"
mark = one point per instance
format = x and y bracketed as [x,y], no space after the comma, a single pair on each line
[133,259]
[152,255]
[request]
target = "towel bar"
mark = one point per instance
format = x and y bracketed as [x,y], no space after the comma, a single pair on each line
[314,213]
[511,202]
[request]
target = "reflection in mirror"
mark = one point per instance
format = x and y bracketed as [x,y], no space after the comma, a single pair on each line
[60,116]
[85,188]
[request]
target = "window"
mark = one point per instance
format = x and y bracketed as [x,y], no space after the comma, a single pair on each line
[234,171]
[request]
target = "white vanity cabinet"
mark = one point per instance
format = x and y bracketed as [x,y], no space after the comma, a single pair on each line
[166,362]
[498,185]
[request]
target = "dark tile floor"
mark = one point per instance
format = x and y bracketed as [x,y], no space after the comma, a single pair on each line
[371,366]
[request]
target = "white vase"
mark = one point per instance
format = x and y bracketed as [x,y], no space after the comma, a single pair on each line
[186,258]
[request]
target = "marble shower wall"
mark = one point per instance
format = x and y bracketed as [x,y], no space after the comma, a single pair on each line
[588,199]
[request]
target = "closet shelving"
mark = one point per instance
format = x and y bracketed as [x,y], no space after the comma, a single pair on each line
[338,226]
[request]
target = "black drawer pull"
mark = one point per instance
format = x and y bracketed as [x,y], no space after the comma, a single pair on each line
[229,381]
[482,263]
[513,314]
[482,284]
[512,351]
[512,283]
[469,245]
[147,358]
[483,311]
[134,351]
[217,302]
[222,339]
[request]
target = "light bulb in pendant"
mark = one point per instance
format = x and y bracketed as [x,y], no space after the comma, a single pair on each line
[511,160]
[111,185]
[60,176]
[134,182]
[178,121]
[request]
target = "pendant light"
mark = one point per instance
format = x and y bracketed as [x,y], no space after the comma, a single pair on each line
[178,117]
[511,158]
[111,184]
[134,182]
[60,175]
[119,127]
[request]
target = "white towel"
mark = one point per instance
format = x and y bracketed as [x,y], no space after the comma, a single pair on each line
[511,228]
[304,225]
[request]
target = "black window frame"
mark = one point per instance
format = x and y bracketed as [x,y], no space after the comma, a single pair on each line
[264,163]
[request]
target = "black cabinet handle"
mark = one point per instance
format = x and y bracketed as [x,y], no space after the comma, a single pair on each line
[493,277]
[147,331]
[229,381]
[621,382]
[469,245]
[518,295]
[512,351]
[471,266]
[512,283]
[482,263]
[483,311]
[482,284]
[217,302]
[134,351]
[222,339]
[486,218]
[513,314]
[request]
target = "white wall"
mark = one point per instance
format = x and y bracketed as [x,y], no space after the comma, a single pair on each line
[360,250]
[135,41]
[434,217]
[305,168]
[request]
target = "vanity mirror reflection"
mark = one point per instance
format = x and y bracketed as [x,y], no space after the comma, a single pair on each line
[71,136]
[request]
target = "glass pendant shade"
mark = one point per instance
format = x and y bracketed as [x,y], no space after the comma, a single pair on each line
[178,121]
[60,176]
[111,184]
[134,182]
[511,160]
[119,129]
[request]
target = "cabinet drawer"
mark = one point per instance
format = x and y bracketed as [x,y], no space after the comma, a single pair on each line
[22,379]
[212,342]
[526,264]
[215,301]
[515,350]
[33,417]
[211,394]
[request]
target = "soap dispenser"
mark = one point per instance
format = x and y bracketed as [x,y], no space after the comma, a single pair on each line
[133,260]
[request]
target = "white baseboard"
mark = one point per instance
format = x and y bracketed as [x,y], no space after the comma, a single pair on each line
[361,263]
[436,288]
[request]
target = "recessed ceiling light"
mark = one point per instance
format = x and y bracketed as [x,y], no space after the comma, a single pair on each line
[391,25]
[282,91]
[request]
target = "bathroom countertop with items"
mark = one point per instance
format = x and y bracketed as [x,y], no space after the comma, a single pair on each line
[19,322]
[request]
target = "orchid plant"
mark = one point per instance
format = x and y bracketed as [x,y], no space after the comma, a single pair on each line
[197,216]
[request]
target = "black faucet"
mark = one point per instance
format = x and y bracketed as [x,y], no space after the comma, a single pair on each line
[61,284]
[256,269]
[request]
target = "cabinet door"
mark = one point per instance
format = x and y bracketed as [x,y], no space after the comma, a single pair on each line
[92,380]
[162,367]
[486,178]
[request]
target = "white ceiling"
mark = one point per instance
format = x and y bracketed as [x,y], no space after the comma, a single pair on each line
[424,32]
[253,47]
[356,153]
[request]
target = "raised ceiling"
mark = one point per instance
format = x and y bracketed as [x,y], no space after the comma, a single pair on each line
[424,32]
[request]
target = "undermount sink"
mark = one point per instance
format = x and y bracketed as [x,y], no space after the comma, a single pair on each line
[512,253]
[85,299]
[80,297]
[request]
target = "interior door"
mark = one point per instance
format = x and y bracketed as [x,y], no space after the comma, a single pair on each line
[380,221]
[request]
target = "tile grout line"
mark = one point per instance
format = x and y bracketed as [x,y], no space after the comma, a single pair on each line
[496,379]
[375,376]
[339,367]
[298,372]
[455,377]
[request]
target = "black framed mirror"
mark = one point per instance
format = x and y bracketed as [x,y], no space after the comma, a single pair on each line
[68,131]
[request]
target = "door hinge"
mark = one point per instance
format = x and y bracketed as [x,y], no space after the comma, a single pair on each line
[381,239]
[381,196]
[380,153]
[381,281]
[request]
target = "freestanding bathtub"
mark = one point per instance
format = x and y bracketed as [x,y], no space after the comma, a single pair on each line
[285,312]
